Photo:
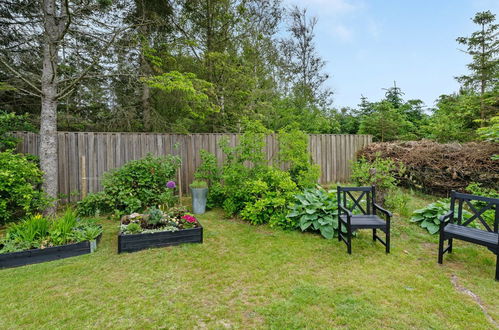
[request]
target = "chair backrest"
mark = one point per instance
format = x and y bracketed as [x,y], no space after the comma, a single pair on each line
[357,195]
[476,205]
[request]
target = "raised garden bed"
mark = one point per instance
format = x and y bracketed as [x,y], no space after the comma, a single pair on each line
[137,242]
[158,228]
[34,256]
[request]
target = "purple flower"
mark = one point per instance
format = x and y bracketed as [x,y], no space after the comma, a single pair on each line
[171,184]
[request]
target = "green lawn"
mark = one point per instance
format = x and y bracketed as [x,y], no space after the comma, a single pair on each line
[244,276]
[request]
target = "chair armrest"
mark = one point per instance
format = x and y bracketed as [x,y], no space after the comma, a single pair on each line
[448,215]
[382,210]
[344,209]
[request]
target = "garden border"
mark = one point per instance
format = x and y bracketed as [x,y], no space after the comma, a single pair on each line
[137,242]
[35,256]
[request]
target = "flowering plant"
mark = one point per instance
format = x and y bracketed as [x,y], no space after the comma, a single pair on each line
[189,221]
[189,218]
[171,184]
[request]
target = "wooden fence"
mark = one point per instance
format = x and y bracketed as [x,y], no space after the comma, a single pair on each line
[85,156]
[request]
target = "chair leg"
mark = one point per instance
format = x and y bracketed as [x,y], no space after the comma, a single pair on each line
[497,267]
[374,234]
[441,248]
[339,230]
[450,245]
[387,250]
[349,240]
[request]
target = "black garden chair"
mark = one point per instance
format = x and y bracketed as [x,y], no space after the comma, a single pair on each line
[367,220]
[456,226]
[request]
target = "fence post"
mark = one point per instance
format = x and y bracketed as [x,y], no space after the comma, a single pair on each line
[83,176]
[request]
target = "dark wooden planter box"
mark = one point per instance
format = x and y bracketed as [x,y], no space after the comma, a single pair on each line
[137,242]
[15,259]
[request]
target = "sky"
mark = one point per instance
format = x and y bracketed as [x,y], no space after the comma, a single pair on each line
[369,44]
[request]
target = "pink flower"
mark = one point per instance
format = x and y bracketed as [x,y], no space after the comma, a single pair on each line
[189,218]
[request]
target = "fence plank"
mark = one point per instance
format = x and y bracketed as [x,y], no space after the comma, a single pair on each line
[105,151]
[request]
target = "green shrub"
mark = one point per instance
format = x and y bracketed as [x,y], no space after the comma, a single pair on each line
[429,216]
[95,204]
[293,151]
[20,194]
[248,186]
[208,170]
[379,173]
[316,209]
[477,189]
[134,186]
[267,199]
[11,122]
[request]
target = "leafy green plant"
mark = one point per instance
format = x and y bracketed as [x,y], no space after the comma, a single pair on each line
[39,232]
[210,172]
[316,209]
[133,187]
[293,151]
[20,193]
[267,199]
[154,217]
[95,204]
[62,228]
[198,184]
[131,228]
[429,216]
[398,201]
[29,232]
[477,189]
[380,173]
[11,122]
[91,232]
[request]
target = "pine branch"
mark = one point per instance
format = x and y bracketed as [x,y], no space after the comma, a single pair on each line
[20,76]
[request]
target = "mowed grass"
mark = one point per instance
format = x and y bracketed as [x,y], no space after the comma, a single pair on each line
[244,276]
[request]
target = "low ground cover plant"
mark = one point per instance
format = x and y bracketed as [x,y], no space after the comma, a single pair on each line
[39,232]
[158,220]
[134,187]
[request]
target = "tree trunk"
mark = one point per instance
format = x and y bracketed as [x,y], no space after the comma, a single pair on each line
[55,22]
[48,123]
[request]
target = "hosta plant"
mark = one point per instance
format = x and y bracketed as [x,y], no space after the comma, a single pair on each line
[316,209]
[429,216]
